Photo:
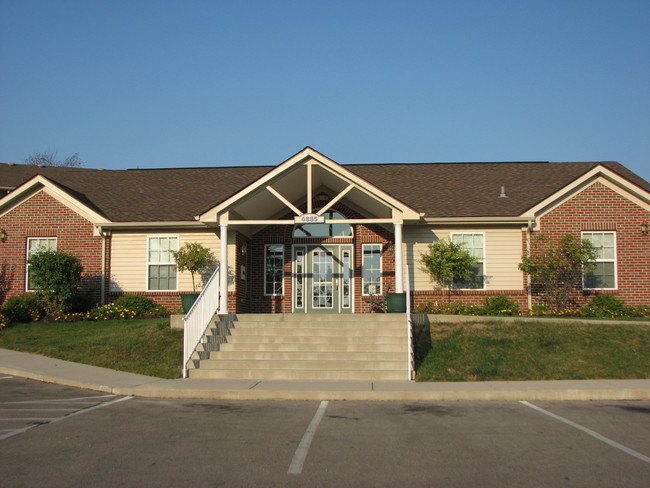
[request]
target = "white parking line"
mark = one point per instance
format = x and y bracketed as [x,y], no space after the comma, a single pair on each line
[83,399]
[36,409]
[57,419]
[5,377]
[592,433]
[303,448]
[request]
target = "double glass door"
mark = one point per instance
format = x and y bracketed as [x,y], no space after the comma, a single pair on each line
[322,279]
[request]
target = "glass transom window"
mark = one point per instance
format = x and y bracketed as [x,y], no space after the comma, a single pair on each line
[329,229]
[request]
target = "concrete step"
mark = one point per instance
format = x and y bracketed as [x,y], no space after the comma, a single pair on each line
[308,355]
[298,374]
[311,331]
[297,365]
[310,339]
[341,347]
[330,325]
[317,317]
[293,346]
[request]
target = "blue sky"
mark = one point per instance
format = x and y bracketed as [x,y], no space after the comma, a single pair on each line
[146,83]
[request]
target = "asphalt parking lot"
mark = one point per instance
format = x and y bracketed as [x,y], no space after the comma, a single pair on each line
[61,436]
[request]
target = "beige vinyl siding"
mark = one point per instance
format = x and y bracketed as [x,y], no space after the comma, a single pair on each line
[502,255]
[129,258]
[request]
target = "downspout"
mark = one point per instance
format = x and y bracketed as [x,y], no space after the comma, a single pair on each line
[102,286]
[529,230]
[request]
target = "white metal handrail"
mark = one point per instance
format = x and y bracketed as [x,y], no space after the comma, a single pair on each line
[409,324]
[198,319]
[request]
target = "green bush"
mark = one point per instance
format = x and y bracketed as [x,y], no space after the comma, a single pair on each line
[24,308]
[137,303]
[500,305]
[605,305]
[56,275]
[143,306]
[111,312]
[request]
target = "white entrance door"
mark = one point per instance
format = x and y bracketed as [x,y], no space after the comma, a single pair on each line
[322,279]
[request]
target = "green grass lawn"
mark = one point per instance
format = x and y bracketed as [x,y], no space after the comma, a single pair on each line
[148,347]
[532,351]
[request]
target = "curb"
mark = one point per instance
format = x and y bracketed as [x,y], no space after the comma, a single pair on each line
[150,390]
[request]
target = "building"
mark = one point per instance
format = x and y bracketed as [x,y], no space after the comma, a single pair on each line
[311,235]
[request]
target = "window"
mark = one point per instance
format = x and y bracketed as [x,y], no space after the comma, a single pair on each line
[603,276]
[325,230]
[474,243]
[300,270]
[274,272]
[371,271]
[35,245]
[161,264]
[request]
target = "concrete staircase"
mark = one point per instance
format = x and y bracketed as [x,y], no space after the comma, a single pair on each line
[303,347]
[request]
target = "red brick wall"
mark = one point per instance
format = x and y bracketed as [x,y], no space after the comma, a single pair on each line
[43,216]
[469,297]
[282,234]
[598,208]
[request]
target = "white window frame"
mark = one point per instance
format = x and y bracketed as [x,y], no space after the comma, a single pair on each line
[482,260]
[363,268]
[329,221]
[27,253]
[171,262]
[298,251]
[603,260]
[266,247]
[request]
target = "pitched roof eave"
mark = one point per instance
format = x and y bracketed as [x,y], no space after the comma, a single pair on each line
[407,212]
[581,182]
[57,192]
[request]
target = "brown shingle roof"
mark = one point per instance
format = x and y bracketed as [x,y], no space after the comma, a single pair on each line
[473,189]
[437,189]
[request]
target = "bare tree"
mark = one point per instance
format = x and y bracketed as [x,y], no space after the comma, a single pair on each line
[50,158]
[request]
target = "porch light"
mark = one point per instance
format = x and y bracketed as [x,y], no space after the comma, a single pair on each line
[322,197]
[644,228]
[3,235]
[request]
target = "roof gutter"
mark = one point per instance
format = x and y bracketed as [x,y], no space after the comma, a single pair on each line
[476,220]
[179,224]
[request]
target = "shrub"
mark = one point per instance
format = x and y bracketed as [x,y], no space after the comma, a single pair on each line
[4,321]
[111,312]
[24,308]
[138,303]
[557,267]
[500,305]
[539,309]
[144,307]
[605,305]
[448,263]
[56,274]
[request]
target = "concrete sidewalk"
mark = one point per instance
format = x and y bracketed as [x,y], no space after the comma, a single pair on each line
[101,379]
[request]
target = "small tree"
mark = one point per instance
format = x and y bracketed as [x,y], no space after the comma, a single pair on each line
[557,266]
[56,275]
[195,258]
[448,263]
